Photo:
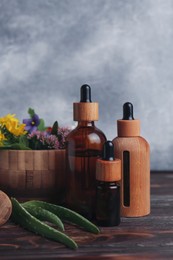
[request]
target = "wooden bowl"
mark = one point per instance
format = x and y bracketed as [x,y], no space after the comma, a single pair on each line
[33,173]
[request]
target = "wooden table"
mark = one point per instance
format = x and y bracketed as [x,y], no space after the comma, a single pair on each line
[149,237]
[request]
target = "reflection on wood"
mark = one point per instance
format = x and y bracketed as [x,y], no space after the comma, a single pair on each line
[149,237]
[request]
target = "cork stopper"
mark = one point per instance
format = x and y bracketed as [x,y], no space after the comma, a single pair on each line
[108,168]
[128,126]
[5,208]
[85,110]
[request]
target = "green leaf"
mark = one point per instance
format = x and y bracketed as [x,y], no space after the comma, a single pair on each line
[31,112]
[41,126]
[11,138]
[15,146]
[6,147]
[55,129]
[19,147]
[23,140]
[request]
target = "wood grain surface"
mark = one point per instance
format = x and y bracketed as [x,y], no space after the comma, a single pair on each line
[85,111]
[28,173]
[149,237]
[139,175]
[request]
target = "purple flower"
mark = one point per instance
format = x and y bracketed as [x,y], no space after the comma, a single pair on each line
[42,140]
[62,135]
[31,123]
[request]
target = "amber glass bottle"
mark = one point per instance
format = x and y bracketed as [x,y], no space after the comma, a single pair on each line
[84,146]
[108,175]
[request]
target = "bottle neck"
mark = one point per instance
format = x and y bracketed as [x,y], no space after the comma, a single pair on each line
[85,123]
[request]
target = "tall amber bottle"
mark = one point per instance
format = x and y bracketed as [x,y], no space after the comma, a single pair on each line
[84,146]
[134,152]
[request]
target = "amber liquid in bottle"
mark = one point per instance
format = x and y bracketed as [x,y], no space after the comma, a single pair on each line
[108,175]
[108,204]
[84,146]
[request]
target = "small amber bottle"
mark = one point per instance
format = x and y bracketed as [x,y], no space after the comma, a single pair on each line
[84,146]
[108,173]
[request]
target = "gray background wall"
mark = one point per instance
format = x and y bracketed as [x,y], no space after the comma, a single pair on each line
[122,48]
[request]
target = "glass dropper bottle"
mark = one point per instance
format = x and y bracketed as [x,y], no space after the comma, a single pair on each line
[108,175]
[84,146]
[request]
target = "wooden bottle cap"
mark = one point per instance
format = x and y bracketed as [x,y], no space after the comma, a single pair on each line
[108,170]
[85,111]
[5,208]
[127,128]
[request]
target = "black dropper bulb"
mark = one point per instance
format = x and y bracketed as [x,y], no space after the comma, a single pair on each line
[85,93]
[108,151]
[128,111]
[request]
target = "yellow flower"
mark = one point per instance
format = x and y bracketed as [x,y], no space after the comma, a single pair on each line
[2,138]
[12,124]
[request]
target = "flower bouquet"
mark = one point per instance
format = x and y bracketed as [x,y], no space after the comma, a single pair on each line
[31,134]
[32,158]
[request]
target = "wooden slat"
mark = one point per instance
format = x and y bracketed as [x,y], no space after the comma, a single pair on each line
[60,169]
[41,160]
[4,160]
[29,180]
[29,160]
[21,163]
[13,179]
[48,179]
[37,179]
[4,178]
[51,160]
[13,160]
[21,180]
